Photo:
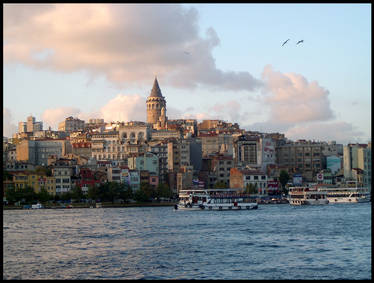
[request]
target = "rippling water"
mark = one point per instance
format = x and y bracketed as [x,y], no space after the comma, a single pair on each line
[272,242]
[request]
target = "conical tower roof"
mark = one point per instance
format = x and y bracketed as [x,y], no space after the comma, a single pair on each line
[156,91]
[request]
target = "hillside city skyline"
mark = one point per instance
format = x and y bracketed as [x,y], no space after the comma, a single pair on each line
[156,92]
[234,63]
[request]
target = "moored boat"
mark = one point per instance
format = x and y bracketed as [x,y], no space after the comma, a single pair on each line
[214,199]
[346,195]
[37,206]
[306,196]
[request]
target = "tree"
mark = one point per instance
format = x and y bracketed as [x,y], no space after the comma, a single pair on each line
[148,190]
[7,175]
[145,192]
[140,196]
[283,179]
[93,192]
[164,191]
[43,195]
[77,193]
[12,195]
[114,190]
[28,194]
[66,196]
[125,192]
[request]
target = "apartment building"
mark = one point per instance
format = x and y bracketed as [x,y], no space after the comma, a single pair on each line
[213,142]
[71,125]
[160,149]
[146,162]
[30,126]
[37,151]
[63,176]
[302,157]
[247,151]
[353,157]
[221,165]
[107,146]
[23,179]
[241,178]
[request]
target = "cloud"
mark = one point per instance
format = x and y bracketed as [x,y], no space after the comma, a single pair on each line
[128,43]
[120,108]
[339,131]
[301,110]
[293,99]
[52,117]
[8,127]
[125,108]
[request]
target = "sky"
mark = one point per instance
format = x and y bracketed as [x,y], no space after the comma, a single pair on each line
[212,61]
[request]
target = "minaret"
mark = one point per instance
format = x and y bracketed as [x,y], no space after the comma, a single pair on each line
[155,102]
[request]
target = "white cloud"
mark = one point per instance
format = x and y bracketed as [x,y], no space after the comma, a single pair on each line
[125,108]
[293,99]
[128,43]
[52,117]
[301,110]
[9,128]
[339,131]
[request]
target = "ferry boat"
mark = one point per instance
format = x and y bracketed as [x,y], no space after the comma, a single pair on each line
[214,199]
[37,206]
[307,196]
[346,195]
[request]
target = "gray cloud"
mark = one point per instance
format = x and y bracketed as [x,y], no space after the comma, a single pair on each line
[128,43]
[9,128]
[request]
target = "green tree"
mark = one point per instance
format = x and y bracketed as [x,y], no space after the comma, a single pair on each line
[28,194]
[93,192]
[114,190]
[77,193]
[148,190]
[43,195]
[140,196]
[66,196]
[164,191]
[12,195]
[283,179]
[125,192]
[7,175]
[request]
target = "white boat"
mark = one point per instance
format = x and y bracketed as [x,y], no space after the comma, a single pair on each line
[306,196]
[214,199]
[37,206]
[346,195]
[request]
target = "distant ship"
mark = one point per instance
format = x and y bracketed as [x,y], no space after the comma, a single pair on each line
[346,195]
[214,199]
[307,196]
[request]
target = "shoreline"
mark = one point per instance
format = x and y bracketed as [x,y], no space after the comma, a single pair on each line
[83,205]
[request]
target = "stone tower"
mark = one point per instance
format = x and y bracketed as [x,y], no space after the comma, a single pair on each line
[155,102]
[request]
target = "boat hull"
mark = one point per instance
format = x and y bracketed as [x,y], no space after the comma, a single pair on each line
[243,206]
[348,200]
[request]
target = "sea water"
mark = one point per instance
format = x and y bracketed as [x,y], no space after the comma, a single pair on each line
[276,241]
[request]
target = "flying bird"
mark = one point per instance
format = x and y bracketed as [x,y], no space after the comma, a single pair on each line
[300,41]
[285,42]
